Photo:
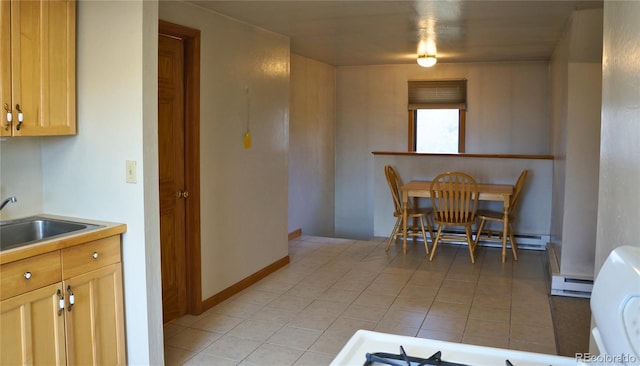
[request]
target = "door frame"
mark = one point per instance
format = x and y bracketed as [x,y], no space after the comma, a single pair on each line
[191,40]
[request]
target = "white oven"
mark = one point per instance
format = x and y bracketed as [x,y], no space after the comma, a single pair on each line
[615,305]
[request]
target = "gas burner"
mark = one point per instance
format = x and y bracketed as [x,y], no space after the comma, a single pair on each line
[403,360]
[364,342]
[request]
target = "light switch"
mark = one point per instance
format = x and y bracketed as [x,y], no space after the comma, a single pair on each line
[132,175]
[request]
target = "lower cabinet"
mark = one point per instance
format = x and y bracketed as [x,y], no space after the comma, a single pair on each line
[76,321]
[95,322]
[32,328]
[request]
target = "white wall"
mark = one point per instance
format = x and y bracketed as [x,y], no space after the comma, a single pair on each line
[582,166]
[21,176]
[311,147]
[619,196]
[507,113]
[575,135]
[84,176]
[244,192]
[559,85]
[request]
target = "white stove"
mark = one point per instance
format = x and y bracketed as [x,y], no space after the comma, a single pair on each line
[615,305]
[364,341]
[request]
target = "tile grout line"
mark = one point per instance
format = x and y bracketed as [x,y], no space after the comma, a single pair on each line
[330,254]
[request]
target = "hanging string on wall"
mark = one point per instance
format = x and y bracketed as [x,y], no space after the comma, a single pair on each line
[247,134]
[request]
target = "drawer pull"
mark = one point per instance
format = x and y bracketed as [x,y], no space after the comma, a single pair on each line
[27,275]
[72,299]
[60,303]
[95,255]
[9,116]
[20,117]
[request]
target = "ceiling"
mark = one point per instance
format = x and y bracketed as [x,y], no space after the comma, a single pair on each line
[372,32]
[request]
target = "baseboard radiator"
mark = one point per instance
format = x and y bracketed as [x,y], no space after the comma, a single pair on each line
[563,285]
[525,241]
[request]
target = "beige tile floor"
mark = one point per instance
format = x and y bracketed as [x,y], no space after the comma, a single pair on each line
[304,313]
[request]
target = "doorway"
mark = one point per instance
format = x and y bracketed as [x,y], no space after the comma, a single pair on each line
[179,169]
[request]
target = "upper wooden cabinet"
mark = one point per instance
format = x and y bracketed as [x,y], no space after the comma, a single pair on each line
[37,67]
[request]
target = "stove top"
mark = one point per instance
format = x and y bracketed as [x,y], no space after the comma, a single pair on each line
[378,345]
[382,358]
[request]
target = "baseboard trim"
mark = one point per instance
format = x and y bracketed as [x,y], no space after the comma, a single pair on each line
[243,284]
[563,285]
[295,234]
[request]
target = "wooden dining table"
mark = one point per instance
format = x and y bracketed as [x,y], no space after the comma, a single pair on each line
[487,192]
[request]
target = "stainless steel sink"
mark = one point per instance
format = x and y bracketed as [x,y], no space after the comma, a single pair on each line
[30,230]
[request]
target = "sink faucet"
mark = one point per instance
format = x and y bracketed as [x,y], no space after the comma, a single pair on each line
[11,199]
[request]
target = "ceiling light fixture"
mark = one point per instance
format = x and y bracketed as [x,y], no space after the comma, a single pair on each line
[427,60]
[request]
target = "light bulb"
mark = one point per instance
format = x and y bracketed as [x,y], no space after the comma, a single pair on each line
[427,60]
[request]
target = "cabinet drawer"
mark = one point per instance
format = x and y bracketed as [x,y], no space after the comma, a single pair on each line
[92,255]
[29,274]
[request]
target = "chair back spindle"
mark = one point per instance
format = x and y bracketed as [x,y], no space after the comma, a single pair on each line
[454,198]
[515,199]
[393,180]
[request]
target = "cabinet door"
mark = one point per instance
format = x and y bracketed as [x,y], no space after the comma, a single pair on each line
[95,322]
[5,66]
[43,67]
[31,328]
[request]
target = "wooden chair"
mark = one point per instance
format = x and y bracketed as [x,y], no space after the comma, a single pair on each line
[454,198]
[495,216]
[421,215]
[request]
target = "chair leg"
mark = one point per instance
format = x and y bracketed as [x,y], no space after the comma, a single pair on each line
[394,233]
[435,243]
[424,234]
[480,228]
[430,227]
[414,225]
[470,243]
[514,245]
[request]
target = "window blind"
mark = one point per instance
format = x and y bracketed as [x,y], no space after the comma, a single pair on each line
[438,94]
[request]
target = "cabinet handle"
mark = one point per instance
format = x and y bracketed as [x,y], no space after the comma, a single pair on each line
[182,194]
[72,299]
[20,117]
[94,255]
[60,303]
[27,275]
[9,117]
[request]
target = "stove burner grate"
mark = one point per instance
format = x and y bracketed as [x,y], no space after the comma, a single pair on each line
[403,360]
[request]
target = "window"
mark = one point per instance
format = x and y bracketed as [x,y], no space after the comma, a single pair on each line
[437,116]
[437,130]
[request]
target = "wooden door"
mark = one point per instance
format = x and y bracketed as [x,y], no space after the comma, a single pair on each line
[43,67]
[32,331]
[95,322]
[173,195]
